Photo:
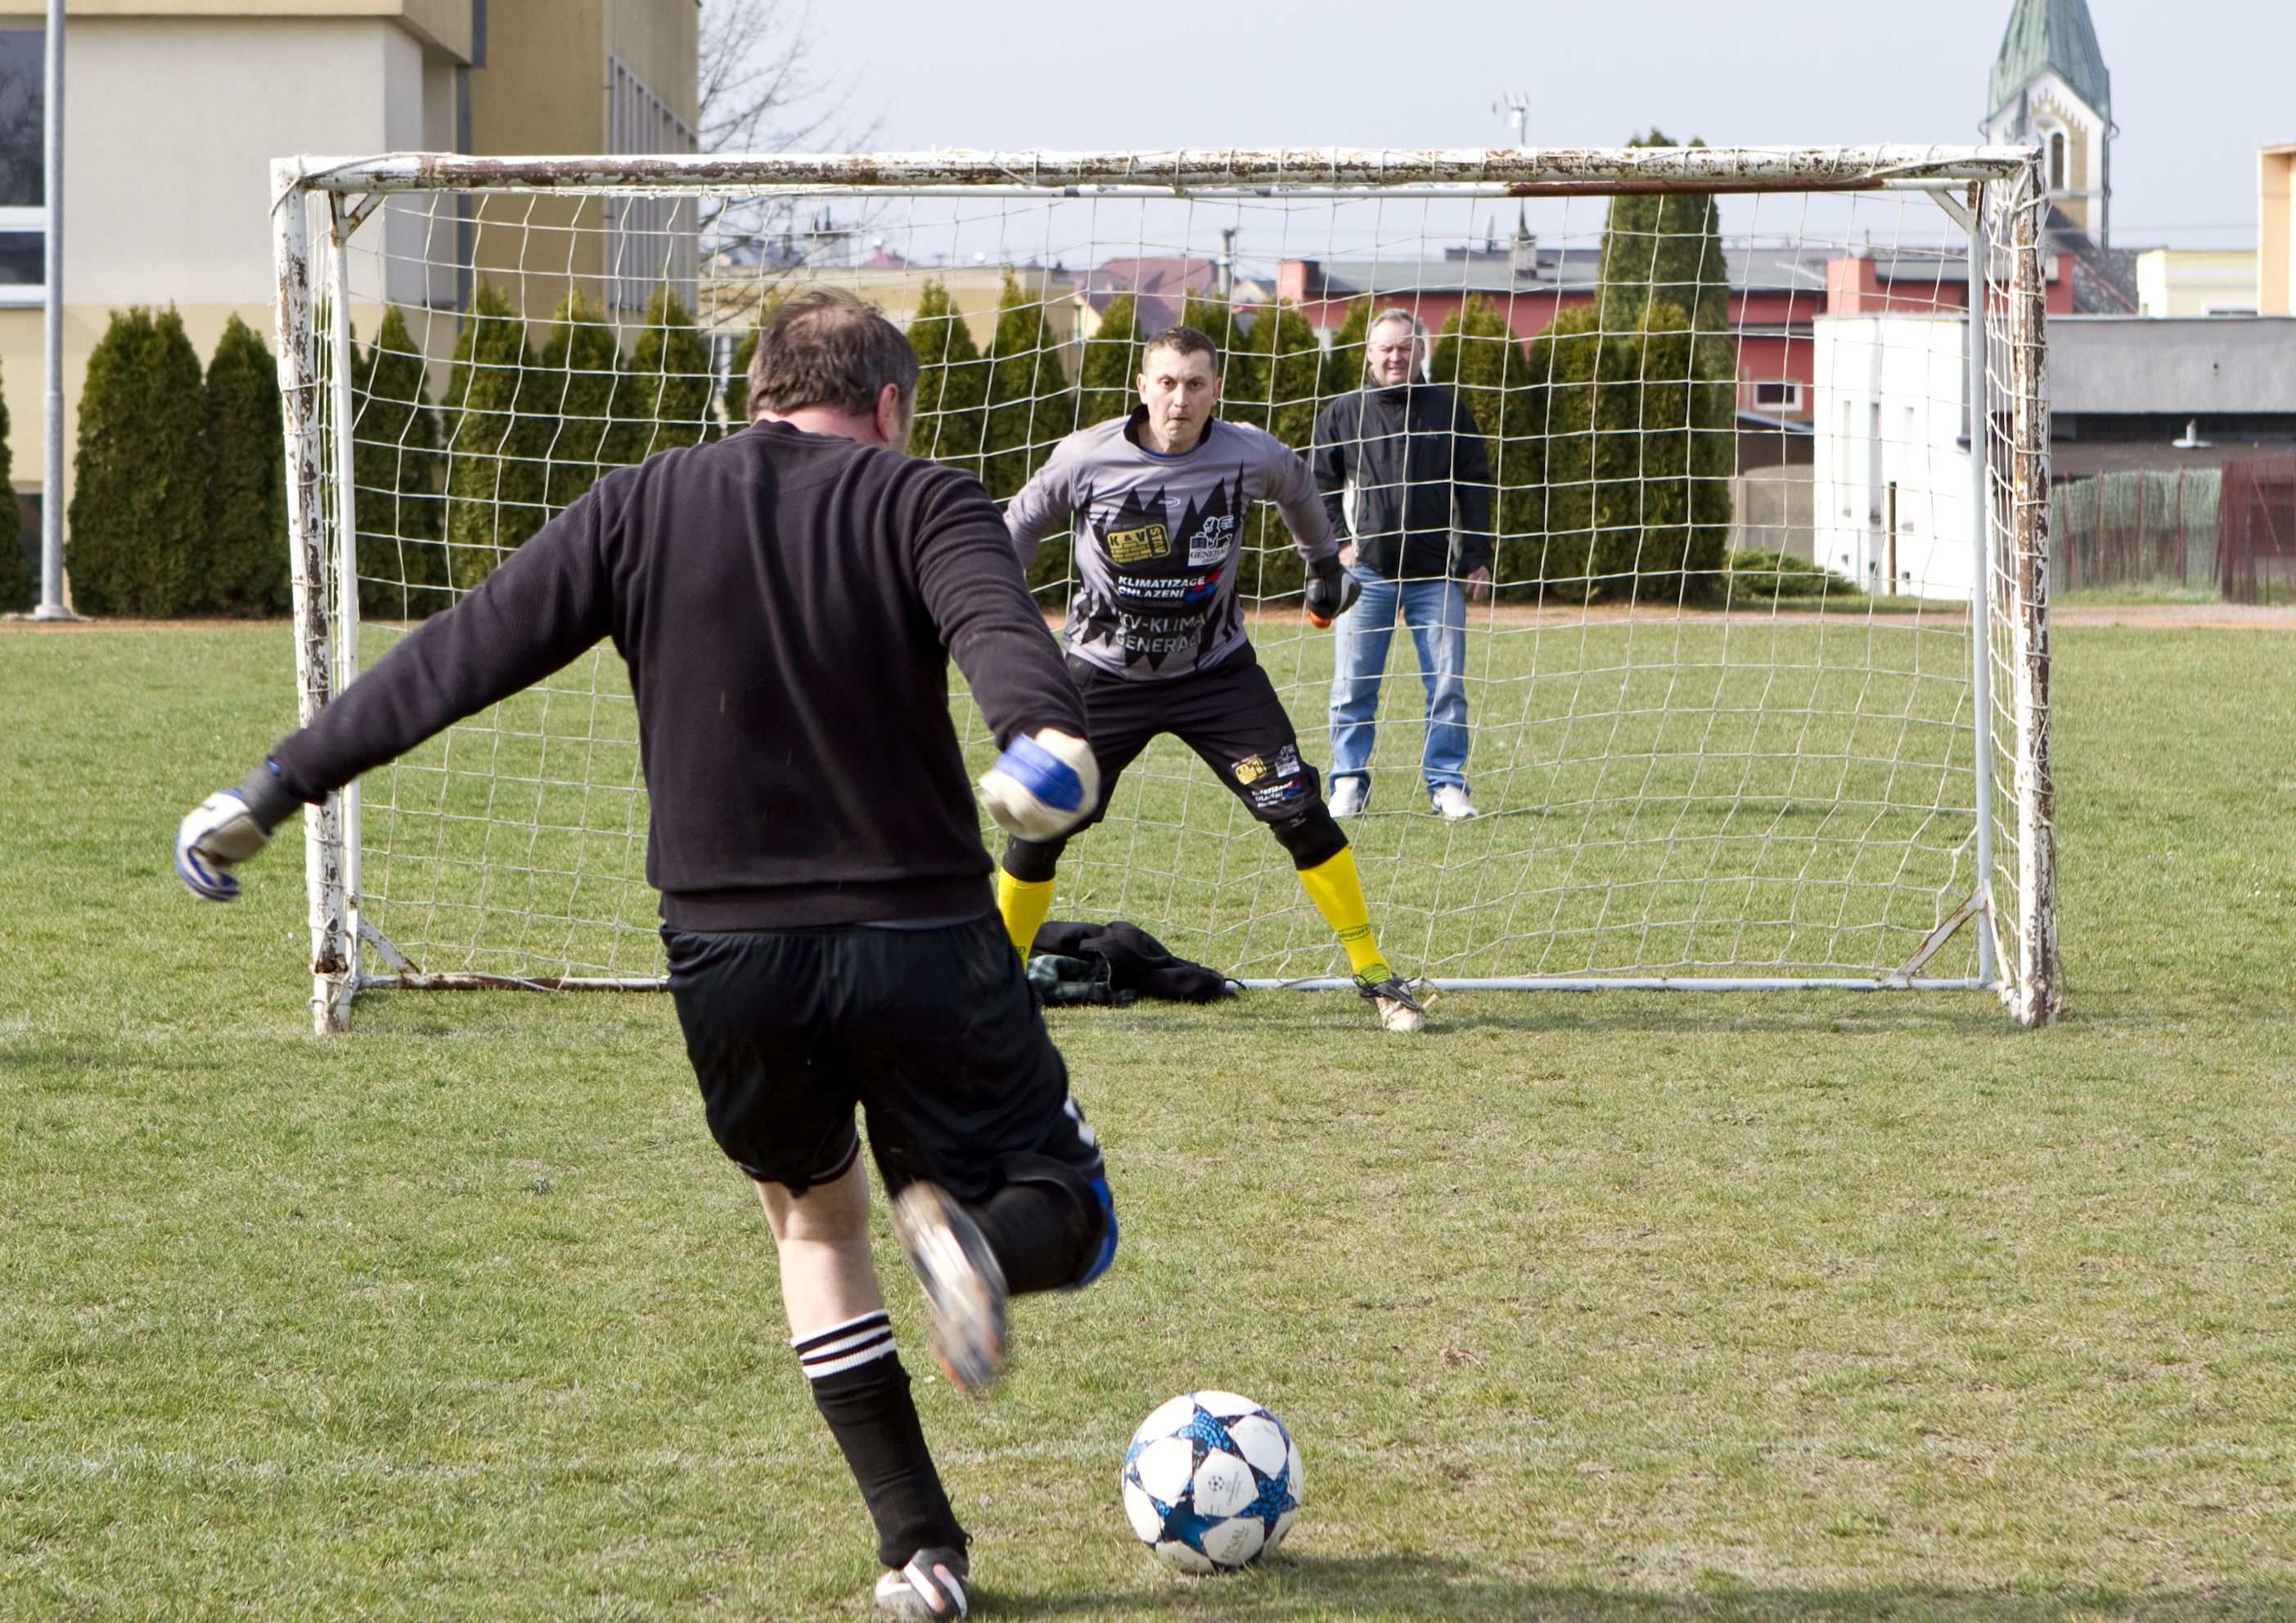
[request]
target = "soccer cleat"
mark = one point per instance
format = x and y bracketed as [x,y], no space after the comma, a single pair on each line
[1399,1010]
[1451,802]
[932,1586]
[964,1286]
[1349,797]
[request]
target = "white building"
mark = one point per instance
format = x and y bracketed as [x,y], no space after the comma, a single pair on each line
[2050,89]
[1891,472]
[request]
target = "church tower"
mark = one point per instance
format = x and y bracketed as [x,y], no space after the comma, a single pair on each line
[2050,90]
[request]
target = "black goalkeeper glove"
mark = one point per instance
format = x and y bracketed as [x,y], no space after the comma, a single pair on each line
[1332,591]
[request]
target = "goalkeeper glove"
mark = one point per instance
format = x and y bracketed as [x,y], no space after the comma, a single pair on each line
[1332,591]
[1042,786]
[227,828]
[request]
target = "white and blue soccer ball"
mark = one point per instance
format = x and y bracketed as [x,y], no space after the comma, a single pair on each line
[1211,1482]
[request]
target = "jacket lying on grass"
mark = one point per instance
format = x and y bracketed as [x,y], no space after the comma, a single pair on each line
[745,582]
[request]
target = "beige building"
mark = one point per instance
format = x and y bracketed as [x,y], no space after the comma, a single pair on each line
[175,109]
[2275,231]
[2196,282]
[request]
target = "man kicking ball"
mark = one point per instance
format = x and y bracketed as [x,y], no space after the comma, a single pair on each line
[788,599]
[1155,632]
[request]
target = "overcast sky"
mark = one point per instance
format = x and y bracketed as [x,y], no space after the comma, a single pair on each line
[2197,85]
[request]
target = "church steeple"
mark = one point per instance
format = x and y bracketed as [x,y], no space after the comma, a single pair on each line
[2051,89]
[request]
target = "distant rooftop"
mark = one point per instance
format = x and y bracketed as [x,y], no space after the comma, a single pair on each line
[1752,267]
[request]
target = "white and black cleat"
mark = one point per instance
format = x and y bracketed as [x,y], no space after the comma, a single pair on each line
[1399,1009]
[932,1586]
[964,1286]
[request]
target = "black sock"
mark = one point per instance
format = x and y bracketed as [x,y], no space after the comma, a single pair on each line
[1042,1233]
[863,1392]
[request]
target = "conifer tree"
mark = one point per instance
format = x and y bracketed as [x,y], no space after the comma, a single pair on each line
[1341,369]
[496,487]
[1630,454]
[20,570]
[1286,362]
[664,398]
[1281,361]
[139,503]
[1108,382]
[396,462]
[952,382]
[244,567]
[574,395]
[1666,248]
[1030,406]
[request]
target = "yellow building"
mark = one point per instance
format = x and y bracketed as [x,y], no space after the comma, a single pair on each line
[2275,231]
[2196,282]
[175,109]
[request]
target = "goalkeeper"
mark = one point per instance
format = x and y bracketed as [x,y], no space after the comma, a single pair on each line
[1155,631]
[787,599]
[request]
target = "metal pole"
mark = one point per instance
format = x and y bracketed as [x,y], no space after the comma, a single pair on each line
[2036,989]
[1981,585]
[332,985]
[52,453]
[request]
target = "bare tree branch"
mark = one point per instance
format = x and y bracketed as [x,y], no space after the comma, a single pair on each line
[760,89]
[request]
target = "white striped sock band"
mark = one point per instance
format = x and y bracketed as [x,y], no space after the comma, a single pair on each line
[846,1346]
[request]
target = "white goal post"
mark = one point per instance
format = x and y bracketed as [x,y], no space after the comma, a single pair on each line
[1760,699]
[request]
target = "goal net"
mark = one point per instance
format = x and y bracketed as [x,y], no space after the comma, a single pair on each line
[1758,696]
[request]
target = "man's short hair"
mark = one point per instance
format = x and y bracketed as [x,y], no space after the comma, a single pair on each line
[1394,313]
[825,347]
[1184,340]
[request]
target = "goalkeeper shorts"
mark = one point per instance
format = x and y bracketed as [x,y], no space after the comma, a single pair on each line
[1229,715]
[931,1032]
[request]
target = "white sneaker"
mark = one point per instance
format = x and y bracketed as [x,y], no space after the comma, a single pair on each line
[1451,803]
[1350,796]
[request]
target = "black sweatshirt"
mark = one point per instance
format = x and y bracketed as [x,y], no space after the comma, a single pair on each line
[1391,461]
[787,603]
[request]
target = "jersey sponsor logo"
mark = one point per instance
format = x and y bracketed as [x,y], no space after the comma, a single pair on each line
[1277,793]
[1212,541]
[1155,589]
[1250,769]
[1141,544]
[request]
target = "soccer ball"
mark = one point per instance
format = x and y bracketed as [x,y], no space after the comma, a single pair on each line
[1211,1482]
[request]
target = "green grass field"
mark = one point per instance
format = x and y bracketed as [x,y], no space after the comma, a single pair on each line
[1612,1308]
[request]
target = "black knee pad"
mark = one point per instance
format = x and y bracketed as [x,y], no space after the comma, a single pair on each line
[1033,861]
[1312,837]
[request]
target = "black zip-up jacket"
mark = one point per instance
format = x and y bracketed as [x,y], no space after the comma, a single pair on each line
[788,603]
[1406,455]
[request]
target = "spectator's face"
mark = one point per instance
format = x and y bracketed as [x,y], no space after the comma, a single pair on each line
[1179,391]
[1392,352]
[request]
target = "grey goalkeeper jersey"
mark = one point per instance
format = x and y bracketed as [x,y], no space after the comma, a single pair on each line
[1156,539]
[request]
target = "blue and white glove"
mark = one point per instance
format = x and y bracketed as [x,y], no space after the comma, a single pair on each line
[227,828]
[1042,786]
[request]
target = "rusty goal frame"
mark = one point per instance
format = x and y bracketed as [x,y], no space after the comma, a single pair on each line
[1993,194]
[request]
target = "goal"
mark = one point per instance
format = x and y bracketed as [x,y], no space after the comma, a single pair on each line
[1758,698]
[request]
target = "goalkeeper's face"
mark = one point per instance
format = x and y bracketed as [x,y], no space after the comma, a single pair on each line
[1179,391]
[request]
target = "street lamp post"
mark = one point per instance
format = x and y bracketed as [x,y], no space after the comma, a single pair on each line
[51,461]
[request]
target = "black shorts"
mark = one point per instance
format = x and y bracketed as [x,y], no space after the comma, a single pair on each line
[1229,716]
[932,1033]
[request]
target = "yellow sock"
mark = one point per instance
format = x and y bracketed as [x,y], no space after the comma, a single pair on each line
[1337,890]
[1023,904]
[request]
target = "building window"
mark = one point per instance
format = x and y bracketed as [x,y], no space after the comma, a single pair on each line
[23,167]
[1784,397]
[650,239]
[2056,160]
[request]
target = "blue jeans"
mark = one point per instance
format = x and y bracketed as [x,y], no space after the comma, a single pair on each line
[1436,610]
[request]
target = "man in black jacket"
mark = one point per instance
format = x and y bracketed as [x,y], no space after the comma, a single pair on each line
[1403,472]
[788,600]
